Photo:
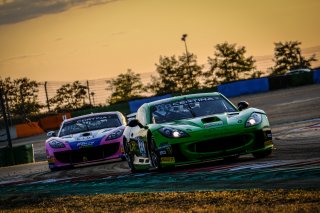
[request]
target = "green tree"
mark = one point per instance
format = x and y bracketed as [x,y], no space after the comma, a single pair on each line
[176,75]
[227,64]
[70,97]
[21,96]
[125,87]
[287,56]
[189,73]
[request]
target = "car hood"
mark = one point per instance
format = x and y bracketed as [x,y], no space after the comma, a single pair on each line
[211,121]
[89,135]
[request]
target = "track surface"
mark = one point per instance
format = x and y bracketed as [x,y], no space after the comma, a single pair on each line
[295,163]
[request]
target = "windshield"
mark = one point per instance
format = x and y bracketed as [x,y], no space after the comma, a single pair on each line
[189,108]
[89,124]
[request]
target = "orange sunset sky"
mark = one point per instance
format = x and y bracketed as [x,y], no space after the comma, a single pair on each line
[67,40]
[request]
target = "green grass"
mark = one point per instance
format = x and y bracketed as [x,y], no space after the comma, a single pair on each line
[220,201]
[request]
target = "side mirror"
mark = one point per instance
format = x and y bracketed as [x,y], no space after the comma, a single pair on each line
[243,105]
[134,123]
[51,134]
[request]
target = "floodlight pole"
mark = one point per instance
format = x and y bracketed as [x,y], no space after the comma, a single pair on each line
[184,38]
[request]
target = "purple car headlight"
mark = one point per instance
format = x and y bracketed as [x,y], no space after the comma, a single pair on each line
[114,135]
[56,144]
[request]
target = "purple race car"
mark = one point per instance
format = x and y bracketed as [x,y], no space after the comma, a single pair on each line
[89,138]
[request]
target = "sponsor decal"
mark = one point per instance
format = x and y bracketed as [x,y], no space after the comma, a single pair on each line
[267,143]
[213,124]
[51,160]
[85,144]
[163,152]
[85,137]
[141,147]
[167,160]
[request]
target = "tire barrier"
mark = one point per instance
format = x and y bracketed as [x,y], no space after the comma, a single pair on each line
[278,82]
[122,107]
[301,79]
[134,105]
[53,122]
[18,155]
[28,129]
[316,76]
[23,154]
[3,134]
[244,87]
[205,90]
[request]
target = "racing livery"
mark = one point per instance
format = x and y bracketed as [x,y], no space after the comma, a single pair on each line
[84,139]
[194,128]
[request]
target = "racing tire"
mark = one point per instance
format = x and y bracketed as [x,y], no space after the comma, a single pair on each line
[61,168]
[129,157]
[262,154]
[231,158]
[154,156]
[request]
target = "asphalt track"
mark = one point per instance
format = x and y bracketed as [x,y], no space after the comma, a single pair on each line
[294,164]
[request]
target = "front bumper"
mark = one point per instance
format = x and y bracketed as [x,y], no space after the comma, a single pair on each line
[221,147]
[85,155]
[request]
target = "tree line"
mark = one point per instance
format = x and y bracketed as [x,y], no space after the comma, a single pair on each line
[175,74]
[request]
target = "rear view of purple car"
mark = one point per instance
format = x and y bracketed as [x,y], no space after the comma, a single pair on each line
[86,139]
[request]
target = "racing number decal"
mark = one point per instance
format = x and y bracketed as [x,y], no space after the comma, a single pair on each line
[137,146]
[141,147]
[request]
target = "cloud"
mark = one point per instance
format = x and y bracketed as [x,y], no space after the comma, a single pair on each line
[21,57]
[14,11]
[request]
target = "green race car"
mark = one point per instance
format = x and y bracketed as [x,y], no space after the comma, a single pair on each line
[194,128]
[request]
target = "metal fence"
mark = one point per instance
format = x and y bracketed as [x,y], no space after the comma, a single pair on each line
[97,88]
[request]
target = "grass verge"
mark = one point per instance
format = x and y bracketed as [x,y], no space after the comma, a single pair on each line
[213,201]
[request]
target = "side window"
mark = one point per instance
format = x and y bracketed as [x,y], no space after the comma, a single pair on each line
[141,116]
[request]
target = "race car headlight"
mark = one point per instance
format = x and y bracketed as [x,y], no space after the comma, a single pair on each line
[114,135]
[254,119]
[56,144]
[172,132]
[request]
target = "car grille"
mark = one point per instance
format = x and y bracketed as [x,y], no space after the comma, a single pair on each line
[208,146]
[220,144]
[87,154]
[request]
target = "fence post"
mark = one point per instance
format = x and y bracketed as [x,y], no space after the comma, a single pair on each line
[22,103]
[46,91]
[7,106]
[89,92]
[3,109]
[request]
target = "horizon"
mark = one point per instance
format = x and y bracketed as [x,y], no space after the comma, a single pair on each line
[96,39]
